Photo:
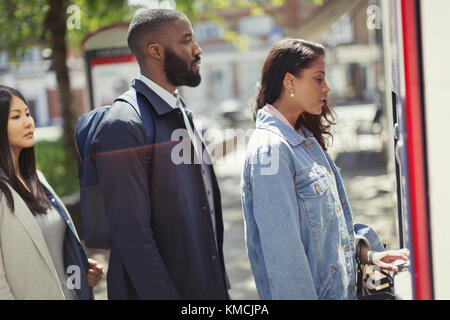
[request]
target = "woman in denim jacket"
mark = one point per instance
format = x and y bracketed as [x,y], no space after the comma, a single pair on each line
[300,236]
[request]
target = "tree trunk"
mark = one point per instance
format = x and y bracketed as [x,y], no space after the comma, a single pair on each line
[56,24]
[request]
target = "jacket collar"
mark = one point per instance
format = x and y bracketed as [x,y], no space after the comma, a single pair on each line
[266,121]
[158,103]
[170,98]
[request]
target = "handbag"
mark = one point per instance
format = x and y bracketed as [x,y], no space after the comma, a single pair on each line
[373,283]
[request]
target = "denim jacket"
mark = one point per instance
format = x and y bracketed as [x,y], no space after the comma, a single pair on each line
[300,234]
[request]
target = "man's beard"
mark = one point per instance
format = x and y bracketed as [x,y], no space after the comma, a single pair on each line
[178,72]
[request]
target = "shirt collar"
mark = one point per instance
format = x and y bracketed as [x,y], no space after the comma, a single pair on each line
[160,91]
[268,121]
[274,111]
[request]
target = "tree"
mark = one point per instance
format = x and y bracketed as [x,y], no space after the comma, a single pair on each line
[44,22]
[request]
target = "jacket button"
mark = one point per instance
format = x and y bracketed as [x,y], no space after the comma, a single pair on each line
[317,188]
[204,208]
[213,257]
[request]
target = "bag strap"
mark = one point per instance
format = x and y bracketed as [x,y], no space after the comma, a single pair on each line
[81,152]
[359,280]
[141,109]
[131,97]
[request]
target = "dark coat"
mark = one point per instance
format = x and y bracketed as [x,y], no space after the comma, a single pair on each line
[74,254]
[163,244]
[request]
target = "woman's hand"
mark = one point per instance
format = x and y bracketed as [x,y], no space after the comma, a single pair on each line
[95,272]
[383,259]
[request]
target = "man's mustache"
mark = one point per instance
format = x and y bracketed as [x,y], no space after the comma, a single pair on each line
[197,59]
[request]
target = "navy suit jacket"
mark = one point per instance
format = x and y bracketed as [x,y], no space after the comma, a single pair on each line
[163,244]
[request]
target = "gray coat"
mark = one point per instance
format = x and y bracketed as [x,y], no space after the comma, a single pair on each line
[27,271]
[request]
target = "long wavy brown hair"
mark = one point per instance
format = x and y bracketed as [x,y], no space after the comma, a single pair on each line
[293,56]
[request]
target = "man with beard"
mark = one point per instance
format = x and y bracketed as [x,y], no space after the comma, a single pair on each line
[164,215]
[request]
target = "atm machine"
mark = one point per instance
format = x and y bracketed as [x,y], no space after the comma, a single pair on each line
[417,72]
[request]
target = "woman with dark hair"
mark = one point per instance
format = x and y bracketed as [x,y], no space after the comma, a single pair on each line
[40,253]
[300,236]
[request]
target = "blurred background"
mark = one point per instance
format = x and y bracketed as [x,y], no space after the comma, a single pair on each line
[68,57]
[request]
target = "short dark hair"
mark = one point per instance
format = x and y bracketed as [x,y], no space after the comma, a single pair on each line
[149,21]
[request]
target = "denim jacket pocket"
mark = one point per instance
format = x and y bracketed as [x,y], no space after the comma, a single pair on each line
[326,291]
[316,201]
